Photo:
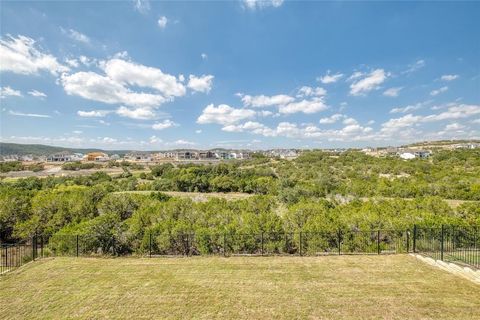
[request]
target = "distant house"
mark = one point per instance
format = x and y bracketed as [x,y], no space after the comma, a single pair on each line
[412,154]
[206,155]
[61,157]
[186,155]
[97,156]
[138,156]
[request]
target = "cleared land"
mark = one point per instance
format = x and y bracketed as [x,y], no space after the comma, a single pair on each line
[345,287]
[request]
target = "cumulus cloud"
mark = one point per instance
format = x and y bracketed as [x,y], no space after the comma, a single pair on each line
[200,84]
[165,124]
[449,77]
[126,72]
[438,91]
[37,94]
[392,92]
[330,78]
[261,4]
[369,82]
[204,56]
[144,113]
[306,106]
[224,114]
[92,86]
[162,22]
[332,119]
[307,91]
[93,113]
[9,92]
[21,55]
[265,101]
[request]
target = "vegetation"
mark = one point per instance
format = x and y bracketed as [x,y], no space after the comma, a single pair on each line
[18,166]
[316,192]
[77,165]
[346,287]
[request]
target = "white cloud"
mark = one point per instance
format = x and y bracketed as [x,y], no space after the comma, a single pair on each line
[92,86]
[454,127]
[198,131]
[392,92]
[72,62]
[162,22]
[410,107]
[449,77]
[165,124]
[126,72]
[265,101]
[77,131]
[371,81]
[438,91]
[182,142]
[33,115]
[261,4]
[332,119]
[393,125]
[9,92]
[415,66]
[306,106]
[143,113]
[142,6]
[20,55]
[155,139]
[350,121]
[224,114]
[204,56]
[37,94]
[200,84]
[307,91]
[455,112]
[93,113]
[330,78]
[356,75]
[252,127]
[77,36]
[87,61]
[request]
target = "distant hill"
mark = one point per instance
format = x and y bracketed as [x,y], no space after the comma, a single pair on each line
[43,150]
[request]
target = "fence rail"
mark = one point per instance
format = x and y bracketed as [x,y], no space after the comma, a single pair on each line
[460,245]
[14,255]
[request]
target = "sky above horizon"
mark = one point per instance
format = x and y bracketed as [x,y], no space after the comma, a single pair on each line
[239,74]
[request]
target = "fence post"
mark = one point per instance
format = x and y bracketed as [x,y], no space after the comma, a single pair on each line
[224,244]
[414,238]
[33,248]
[441,244]
[378,241]
[300,242]
[339,238]
[6,257]
[150,244]
[262,243]
[408,241]
[77,245]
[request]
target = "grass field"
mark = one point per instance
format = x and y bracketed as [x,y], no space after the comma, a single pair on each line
[337,287]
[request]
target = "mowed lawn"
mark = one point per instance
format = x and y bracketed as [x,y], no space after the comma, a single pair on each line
[335,287]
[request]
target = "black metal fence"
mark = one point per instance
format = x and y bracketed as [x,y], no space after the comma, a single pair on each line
[460,245]
[293,243]
[448,243]
[14,255]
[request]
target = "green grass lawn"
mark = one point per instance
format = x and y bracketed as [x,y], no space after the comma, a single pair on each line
[334,287]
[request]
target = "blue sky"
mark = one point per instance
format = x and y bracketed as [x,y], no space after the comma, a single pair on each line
[239,74]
